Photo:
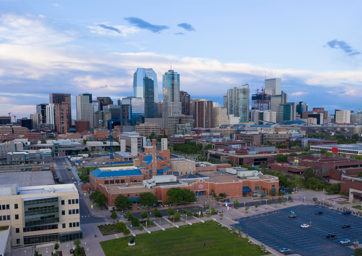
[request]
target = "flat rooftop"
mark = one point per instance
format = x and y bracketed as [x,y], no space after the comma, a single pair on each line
[24,179]
[47,189]
[116,189]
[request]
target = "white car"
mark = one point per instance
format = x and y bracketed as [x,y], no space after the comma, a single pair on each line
[345,241]
[305,226]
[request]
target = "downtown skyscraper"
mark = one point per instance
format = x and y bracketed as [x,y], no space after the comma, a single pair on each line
[171,95]
[139,82]
[238,102]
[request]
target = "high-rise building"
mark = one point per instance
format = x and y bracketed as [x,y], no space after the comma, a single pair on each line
[263,117]
[276,105]
[238,102]
[50,116]
[343,117]
[171,95]
[62,111]
[61,114]
[85,108]
[139,82]
[356,118]
[5,120]
[319,114]
[149,97]
[289,112]
[301,107]
[202,111]
[220,116]
[273,86]
[41,113]
[185,103]
[104,101]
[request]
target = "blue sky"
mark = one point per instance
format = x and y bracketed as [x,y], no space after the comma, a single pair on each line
[95,46]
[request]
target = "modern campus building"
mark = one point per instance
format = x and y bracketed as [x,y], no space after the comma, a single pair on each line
[38,214]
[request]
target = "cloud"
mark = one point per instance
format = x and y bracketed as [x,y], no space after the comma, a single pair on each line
[186,26]
[344,46]
[30,29]
[299,93]
[146,25]
[114,30]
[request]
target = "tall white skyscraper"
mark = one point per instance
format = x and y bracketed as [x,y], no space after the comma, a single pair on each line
[273,86]
[49,113]
[238,102]
[139,82]
[85,108]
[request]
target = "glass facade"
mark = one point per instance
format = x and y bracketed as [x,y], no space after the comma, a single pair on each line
[41,211]
[150,106]
[139,85]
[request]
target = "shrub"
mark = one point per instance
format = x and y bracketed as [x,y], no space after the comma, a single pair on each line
[114,215]
[176,216]
[135,221]
[236,204]
[157,213]
[144,215]
[170,211]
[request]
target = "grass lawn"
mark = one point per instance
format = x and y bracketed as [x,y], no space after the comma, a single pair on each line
[342,202]
[358,207]
[186,240]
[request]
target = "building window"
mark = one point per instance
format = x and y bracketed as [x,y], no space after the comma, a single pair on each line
[8,217]
[17,230]
[70,212]
[63,212]
[76,201]
[122,181]
[18,241]
[112,181]
[16,206]
[70,225]
[16,216]
[63,225]
[62,202]
[117,181]
[69,201]
[106,182]
[7,206]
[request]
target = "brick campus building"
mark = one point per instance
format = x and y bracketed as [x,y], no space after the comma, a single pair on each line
[129,181]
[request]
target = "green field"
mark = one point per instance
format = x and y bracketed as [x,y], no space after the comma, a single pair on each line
[186,240]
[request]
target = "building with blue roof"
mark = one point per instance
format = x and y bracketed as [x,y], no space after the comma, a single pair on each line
[115,175]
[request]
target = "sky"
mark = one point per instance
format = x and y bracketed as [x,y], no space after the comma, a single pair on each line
[75,47]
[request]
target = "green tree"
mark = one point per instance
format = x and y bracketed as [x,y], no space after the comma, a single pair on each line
[147,199]
[114,215]
[236,204]
[157,213]
[98,198]
[121,226]
[272,192]
[333,189]
[123,202]
[308,174]
[56,246]
[177,195]
[176,216]
[358,252]
[170,211]
[144,215]
[359,175]
[281,158]
[135,221]
[36,253]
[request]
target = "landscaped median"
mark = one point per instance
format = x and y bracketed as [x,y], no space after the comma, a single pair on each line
[208,238]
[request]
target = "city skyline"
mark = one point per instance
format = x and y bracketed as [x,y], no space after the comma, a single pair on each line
[98,52]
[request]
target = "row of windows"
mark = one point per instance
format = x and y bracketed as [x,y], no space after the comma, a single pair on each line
[73,211]
[73,224]
[70,201]
[5,207]
[41,201]
[4,217]
[37,228]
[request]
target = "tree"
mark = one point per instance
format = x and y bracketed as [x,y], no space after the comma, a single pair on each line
[120,226]
[236,204]
[157,213]
[177,195]
[176,216]
[135,221]
[114,215]
[272,192]
[36,253]
[358,252]
[98,198]
[170,211]
[144,215]
[359,175]
[308,174]
[123,202]
[281,158]
[333,189]
[147,199]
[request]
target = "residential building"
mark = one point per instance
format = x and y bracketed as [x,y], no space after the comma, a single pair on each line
[41,113]
[343,117]
[238,102]
[85,108]
[50,116]
[62,111]
[202,111]
[219,117]
[185,103]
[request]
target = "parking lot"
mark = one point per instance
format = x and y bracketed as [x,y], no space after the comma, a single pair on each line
[277,230]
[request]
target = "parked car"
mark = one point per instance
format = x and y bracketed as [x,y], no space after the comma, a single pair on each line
[319,213]
[345,241]
[346,226]
[347,212]
[285,250]
[304,225]
[330,236]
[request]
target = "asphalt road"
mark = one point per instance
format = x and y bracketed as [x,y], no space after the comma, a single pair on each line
[66,177]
